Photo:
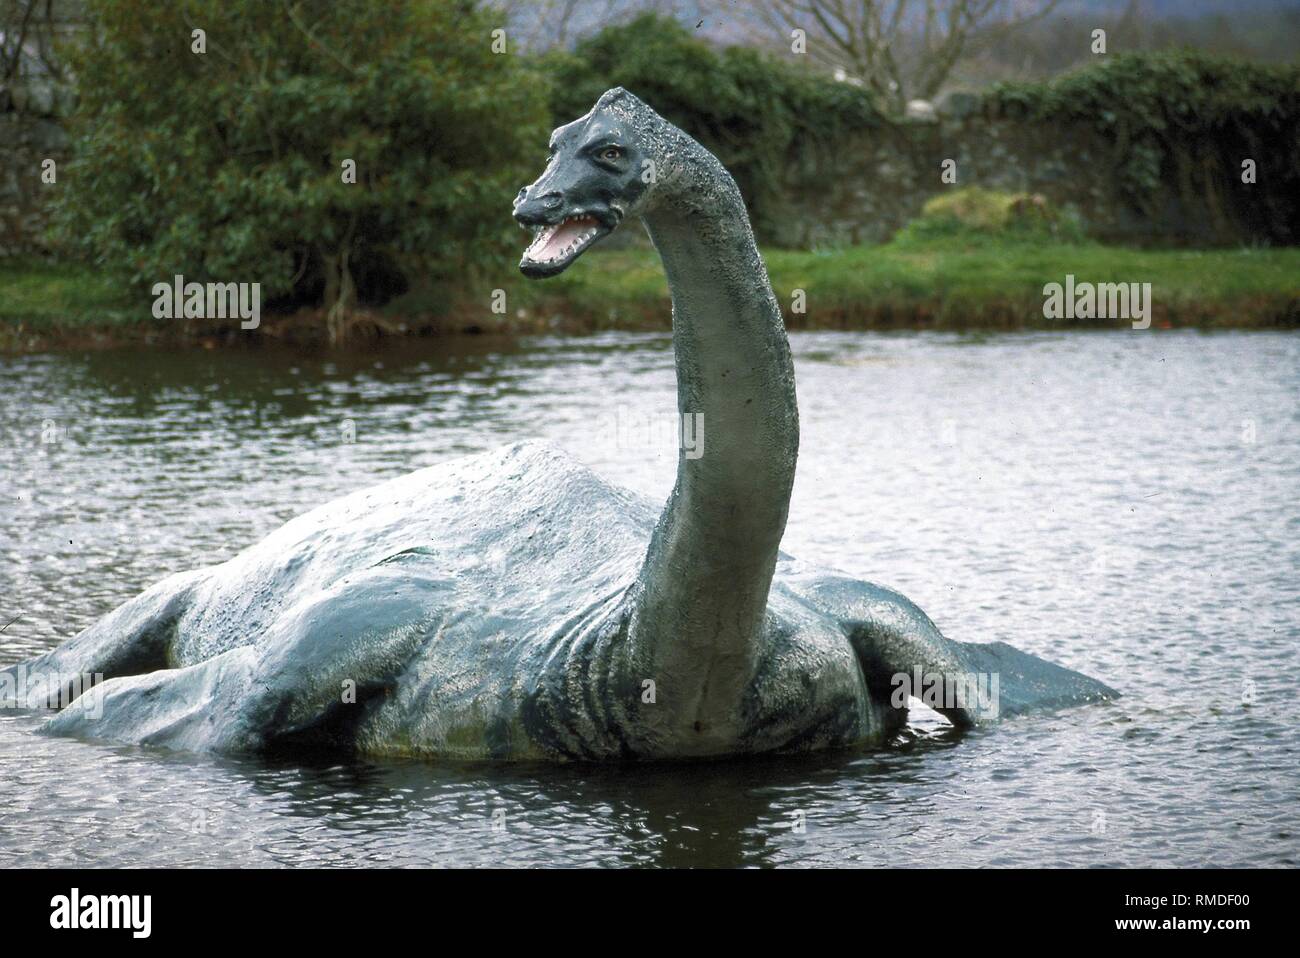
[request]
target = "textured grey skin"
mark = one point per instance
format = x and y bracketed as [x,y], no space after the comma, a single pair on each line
[506,606]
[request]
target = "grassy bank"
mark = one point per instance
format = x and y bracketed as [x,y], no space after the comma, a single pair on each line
[958,285]
[934,283]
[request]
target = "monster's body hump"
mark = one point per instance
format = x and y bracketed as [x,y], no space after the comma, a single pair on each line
[477,609]
[504,566]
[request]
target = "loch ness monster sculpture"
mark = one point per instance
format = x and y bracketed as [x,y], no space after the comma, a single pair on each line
[515,605]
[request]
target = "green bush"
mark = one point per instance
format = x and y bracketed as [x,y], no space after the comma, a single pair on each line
[974,212]
[753,112]
[1181,123]
[227,165]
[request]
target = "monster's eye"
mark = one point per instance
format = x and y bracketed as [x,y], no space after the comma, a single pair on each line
[611,154]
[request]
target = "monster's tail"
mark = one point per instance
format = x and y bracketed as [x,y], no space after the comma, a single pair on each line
[1016,682]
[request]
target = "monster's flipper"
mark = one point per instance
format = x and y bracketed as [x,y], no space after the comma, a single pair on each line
[132,639]
[1022,682]
[903,655]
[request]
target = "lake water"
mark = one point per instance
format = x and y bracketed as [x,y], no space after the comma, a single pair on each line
[1124,503]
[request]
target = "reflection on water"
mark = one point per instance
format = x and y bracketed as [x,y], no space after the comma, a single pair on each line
[1123,503]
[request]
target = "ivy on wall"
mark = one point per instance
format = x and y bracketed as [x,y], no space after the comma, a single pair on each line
[1181,125]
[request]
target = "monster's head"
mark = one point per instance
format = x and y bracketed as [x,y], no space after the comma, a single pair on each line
[601,169]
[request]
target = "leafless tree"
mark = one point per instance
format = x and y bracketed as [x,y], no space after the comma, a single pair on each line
[28,31]
[544,24]
[16,21]
[900,49]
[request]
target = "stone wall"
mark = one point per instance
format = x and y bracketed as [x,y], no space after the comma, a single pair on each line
[33,104]
[863,189]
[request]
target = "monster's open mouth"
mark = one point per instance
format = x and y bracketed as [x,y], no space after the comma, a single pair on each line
[556,246]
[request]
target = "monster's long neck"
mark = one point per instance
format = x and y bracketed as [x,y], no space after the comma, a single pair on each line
[707,574]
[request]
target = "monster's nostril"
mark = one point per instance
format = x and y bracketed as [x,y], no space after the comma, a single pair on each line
[522,193]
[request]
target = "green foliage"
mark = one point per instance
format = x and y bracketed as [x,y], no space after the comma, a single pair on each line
[227,165]
[756,114]
[1182,123]
[974,213]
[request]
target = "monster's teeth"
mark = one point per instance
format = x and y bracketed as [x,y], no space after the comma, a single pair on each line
[540,240]
[546,246]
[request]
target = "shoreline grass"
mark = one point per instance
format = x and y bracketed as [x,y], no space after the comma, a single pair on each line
[960,284]
[963,282]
